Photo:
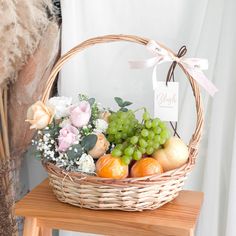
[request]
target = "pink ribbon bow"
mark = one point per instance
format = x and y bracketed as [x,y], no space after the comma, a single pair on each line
[193,66]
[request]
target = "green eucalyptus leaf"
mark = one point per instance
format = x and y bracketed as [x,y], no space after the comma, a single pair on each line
[126,103]
[124,109]
[91,101]
[119,101]
[89,142]
[52,129]
[74,151]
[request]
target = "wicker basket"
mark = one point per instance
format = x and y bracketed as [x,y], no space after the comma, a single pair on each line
[130,194]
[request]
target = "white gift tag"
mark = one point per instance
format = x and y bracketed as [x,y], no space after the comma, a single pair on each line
[166,100]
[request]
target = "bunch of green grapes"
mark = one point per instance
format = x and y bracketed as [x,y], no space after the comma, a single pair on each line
[149,136]
[122,125]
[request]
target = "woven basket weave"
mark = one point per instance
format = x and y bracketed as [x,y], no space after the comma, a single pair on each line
[130,194]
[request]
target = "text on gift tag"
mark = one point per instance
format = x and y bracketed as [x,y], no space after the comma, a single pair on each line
[166,101]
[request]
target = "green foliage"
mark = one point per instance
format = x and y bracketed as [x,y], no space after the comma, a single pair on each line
[83,97]
[124,109]
[91,101]
[51,132]
[95,111]
[52,129]
[119,101]
[122,104]
[74,151]
[89,142]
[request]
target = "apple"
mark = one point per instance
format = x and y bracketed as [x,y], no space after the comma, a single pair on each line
[173,154]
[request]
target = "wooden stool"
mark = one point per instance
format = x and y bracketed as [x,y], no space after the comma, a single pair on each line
[43,212]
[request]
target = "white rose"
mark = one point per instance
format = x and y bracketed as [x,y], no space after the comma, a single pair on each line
[100,125]
[86,164]
[61,106]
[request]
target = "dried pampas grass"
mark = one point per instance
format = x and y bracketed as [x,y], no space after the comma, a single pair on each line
[28,88]
[22,25]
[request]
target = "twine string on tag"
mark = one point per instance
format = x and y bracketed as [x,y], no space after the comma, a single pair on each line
[170,76]
[174,127]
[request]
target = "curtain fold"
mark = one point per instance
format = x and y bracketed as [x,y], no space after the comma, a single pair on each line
[207,28]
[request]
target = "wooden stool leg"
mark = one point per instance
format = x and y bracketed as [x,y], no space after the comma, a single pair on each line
[45,231]
[30,227]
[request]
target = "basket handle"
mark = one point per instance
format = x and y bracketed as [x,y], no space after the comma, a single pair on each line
[195,139]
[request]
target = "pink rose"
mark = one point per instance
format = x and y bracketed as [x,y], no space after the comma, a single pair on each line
[68,136]
[80,114]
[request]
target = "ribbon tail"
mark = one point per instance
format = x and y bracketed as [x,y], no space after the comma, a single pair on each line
[145,63]
[199,76]
[154,78]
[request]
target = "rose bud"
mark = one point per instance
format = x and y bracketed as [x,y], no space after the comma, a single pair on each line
[105,115]
[39,115]
[100,147]
[80,115]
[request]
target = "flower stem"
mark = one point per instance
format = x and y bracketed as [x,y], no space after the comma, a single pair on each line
[141,108]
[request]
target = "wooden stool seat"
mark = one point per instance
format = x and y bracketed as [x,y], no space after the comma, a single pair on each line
[43,212]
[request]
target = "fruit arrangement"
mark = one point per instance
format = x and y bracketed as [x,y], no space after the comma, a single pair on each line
[119,159]
[86,137]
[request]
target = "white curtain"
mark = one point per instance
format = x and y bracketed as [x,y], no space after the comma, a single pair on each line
[207,28]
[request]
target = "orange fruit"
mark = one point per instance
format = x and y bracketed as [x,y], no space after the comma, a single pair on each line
[146,166]
[108,166]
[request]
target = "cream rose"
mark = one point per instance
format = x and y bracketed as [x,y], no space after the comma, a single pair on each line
[100,147]
[39,115]
[105,116]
